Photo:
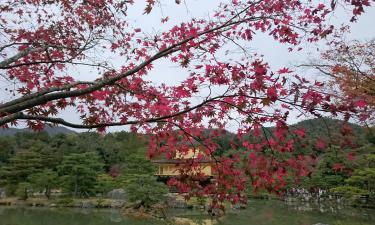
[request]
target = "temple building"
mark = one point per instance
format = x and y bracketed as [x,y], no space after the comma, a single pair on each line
[168,168]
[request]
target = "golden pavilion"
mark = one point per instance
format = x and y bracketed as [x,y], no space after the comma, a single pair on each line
[168,168]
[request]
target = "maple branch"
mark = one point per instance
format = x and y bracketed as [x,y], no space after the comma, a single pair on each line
[43,92]
[11,44]
[319,67]
[54,62]
[19,55]
[39,100]
[45,48]
[357,67]
[7,119]
[61,121]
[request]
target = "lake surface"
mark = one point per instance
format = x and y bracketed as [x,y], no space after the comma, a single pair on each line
[259,212]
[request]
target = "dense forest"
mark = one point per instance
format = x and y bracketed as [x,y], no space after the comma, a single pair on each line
[89,164]
[81,164]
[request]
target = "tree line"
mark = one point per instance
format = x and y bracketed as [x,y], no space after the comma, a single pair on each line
[90,164]
[81,165]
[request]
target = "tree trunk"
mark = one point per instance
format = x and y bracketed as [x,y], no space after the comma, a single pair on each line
[25,196]
[47,193]
[75,187]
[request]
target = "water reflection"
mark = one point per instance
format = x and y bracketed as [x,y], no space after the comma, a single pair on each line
[196,221]
[64,216]
[259,212]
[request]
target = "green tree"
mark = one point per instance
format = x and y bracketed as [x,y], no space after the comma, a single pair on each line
[44,181]
[363,177]
[362,180]
[325,175]
[23,189]
[104,183]
[143,189]
[79,171]
[21,165]
[137,177]
[110,150]
[7,149]
[349,191]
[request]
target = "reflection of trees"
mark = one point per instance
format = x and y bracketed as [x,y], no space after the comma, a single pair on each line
[194,221]
[115,216]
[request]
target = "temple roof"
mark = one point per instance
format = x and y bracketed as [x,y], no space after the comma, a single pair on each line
[179,161]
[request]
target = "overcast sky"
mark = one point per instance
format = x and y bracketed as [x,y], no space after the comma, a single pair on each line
[274,53]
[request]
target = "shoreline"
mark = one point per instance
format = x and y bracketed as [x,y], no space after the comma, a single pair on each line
[64,202]
[106,203]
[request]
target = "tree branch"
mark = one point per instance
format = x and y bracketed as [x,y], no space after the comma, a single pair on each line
[61,121]
[19,55]
[39,100]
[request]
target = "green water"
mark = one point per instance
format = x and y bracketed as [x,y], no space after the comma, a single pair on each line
[259,212]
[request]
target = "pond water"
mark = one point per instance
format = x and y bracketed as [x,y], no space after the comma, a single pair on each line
[259,212]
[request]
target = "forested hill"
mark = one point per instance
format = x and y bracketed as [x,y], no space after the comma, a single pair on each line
[327,127]
[48,129]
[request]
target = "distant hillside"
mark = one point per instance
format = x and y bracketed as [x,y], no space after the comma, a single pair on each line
[324,127]
[50,130]
[314,128]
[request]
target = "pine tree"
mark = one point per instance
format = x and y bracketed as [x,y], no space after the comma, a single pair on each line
[79,171]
